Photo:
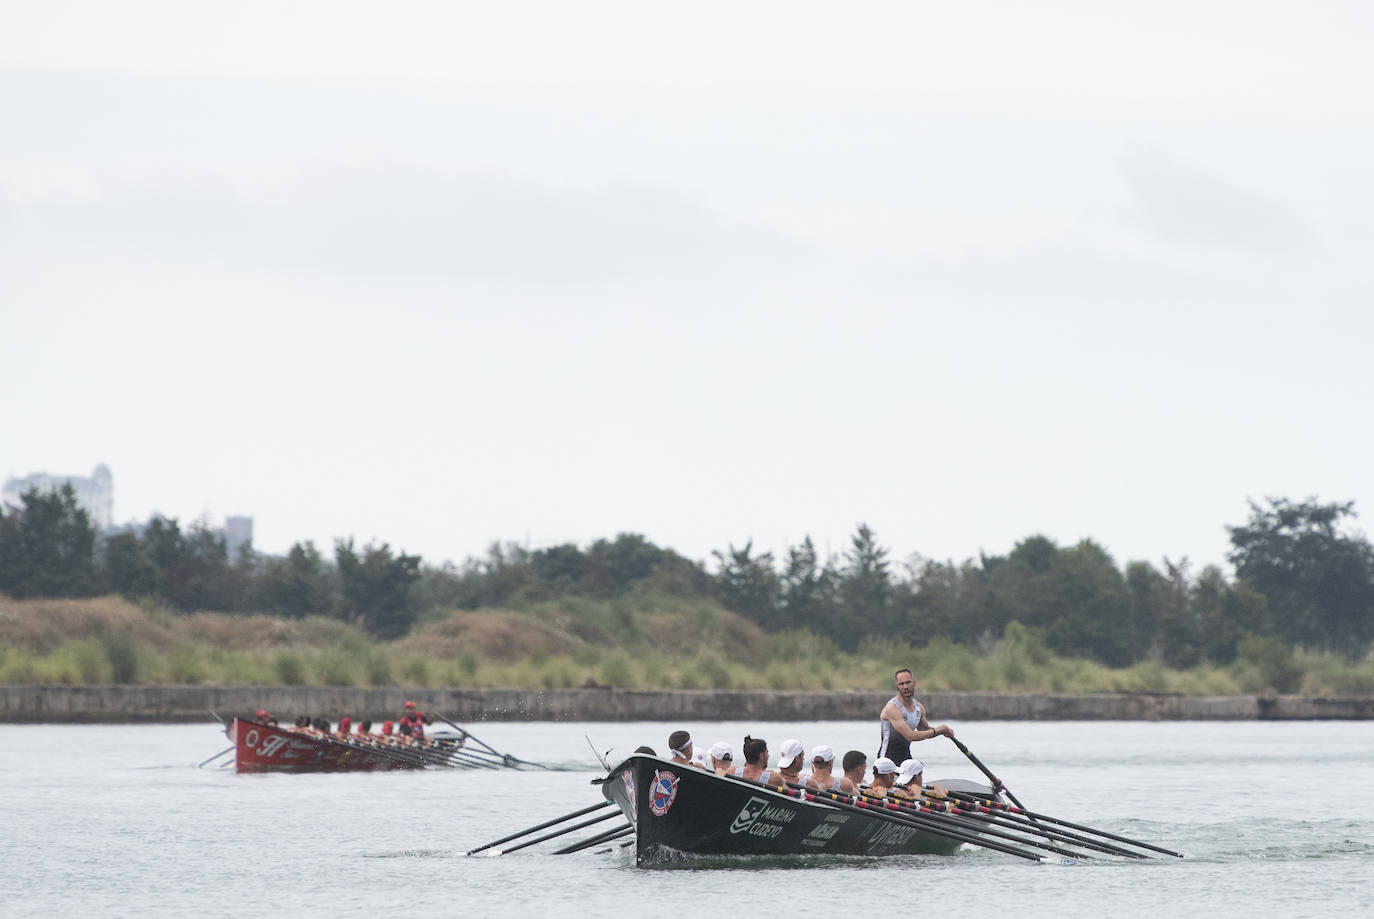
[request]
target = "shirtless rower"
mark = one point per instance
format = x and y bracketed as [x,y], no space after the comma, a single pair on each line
[822,777]
[903,721]
[755,767]
[721,757]
[884,777]
[680,747]
[790,759]
[855,765]
[908,782]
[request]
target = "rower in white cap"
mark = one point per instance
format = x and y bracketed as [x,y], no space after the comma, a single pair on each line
[822,777]
[790,758]
[884,775]
[908,782]
[721,758]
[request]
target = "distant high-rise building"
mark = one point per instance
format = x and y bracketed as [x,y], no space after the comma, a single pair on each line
[94,494]
[238,531]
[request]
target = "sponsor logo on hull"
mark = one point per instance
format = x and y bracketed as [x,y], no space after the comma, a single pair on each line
[759,818]
[662,791]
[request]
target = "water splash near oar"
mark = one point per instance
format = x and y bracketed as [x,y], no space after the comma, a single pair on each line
[505,759]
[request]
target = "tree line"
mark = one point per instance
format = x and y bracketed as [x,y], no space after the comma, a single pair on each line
[1302,579]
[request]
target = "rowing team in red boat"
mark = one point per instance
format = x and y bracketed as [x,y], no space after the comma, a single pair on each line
[408,731]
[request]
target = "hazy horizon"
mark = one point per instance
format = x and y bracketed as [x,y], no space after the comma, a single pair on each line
[452,274]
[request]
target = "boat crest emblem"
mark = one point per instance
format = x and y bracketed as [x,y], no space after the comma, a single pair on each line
[628,778]
[662,791]
[749,814]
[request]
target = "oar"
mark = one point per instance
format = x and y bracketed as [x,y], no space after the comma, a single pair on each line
[465,761]
[385,751]
[506,758]
[457,759]
[975,827]
[831,799]
[979,812]
[217,756]
[542,826]
[394,754]
[555,833]
[600,837]
[911,807]
[998,805]
[996,782]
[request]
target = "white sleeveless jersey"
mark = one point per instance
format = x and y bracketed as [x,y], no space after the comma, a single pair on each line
[763,777]
[891,744]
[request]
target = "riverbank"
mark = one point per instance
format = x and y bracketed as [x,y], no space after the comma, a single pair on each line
[171,704]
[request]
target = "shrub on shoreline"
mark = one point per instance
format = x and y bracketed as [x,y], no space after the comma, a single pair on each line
[668,644]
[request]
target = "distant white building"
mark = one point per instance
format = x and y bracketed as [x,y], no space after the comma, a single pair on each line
[238,531]
[94,494]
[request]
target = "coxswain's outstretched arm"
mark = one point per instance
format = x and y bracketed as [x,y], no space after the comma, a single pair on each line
[941,730]
[923,731]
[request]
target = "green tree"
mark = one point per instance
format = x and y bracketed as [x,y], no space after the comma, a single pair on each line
[1318,581]
[806,590]
[747,584]
[376,587]
[127,569]
[1163,619]
[47,546]
[297,585]
[936,602]
[1226,614]
[560,569]
[1089,606]
[613,565]
[865,591]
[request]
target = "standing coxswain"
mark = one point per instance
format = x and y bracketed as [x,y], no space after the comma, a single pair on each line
[903,721]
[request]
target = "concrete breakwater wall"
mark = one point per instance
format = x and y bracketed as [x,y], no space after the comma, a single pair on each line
[127,704]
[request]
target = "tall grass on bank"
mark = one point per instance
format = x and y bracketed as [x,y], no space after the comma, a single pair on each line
[645,642]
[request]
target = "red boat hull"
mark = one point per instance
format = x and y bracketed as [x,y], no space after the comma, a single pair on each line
[264,748]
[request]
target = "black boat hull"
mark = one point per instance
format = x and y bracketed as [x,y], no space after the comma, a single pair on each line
[679,809]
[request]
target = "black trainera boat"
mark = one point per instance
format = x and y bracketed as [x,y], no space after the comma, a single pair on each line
[680,810]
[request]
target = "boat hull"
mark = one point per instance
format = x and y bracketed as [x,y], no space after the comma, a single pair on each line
[679,810]
[266,748]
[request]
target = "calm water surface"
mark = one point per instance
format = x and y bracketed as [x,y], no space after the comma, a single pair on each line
[1276,819]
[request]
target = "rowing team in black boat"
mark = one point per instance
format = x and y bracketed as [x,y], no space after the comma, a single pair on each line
[889,778]
[901,723]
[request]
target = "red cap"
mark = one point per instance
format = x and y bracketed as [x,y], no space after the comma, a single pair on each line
[410,705]
[386,727]
[263,713]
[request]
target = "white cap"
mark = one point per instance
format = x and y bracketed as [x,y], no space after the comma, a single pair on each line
[822,753]
[791,749]
[720,749]
[910,769]
[884,766]
[698,757]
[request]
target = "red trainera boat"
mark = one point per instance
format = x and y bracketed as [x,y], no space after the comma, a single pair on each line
[262,747]
[267,748]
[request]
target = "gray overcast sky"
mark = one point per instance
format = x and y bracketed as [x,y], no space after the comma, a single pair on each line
[438,274]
